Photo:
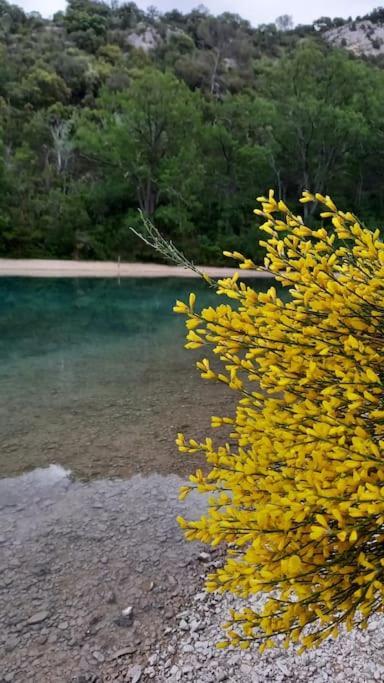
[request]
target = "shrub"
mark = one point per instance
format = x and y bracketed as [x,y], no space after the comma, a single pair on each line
[296,493]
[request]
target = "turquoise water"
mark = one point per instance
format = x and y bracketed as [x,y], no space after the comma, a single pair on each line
[40,316]
[94,376]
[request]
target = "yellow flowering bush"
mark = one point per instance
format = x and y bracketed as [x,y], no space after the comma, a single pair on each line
[296,492]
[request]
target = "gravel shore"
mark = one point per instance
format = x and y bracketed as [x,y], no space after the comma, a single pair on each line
[86,585]
[86,598]
[355,657]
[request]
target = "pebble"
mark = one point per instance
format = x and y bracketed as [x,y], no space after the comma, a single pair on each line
[352,658]
[188,648]
[110,598]
[123,621]
[98,656]
[187,669]
[11,644]
[124,651]
[38,617]
[196,626]
[135,673]
[42,639]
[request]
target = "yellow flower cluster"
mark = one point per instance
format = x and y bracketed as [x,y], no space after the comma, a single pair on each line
[296,493]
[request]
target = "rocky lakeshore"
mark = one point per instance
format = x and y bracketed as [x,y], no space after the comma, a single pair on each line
[84,599]
[191,655]
[87,586]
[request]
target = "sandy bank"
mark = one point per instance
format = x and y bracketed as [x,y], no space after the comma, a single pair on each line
[59,268]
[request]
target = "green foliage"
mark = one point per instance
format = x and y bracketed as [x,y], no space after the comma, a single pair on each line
[189,128]
[40,88]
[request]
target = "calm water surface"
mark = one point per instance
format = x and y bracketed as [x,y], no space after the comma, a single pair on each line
[94,375]
[94,385]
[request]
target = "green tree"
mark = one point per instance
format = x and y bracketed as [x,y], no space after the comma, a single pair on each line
[41,87]
[146,137]
[320,126]
[237,160]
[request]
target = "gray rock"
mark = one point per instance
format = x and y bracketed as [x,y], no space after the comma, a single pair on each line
[135,673]
[360,38]
[187,668]
[123,621]
[42,639]
[11,644]
[188,648]
[110,598]
[98,656]
[124,652]
[196,625]
[38,617]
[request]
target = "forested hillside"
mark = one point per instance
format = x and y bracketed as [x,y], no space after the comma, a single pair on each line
[107,108]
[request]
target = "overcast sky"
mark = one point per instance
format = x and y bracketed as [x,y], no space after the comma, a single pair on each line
[257,12]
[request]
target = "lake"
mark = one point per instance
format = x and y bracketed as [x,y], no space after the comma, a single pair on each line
[95,385]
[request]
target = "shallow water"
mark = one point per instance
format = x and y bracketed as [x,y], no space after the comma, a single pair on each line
[94,385]
[94,376]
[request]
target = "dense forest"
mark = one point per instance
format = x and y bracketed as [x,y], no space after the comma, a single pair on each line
[106,109]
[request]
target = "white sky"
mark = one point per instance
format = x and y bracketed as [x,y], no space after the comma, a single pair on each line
[263,11]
